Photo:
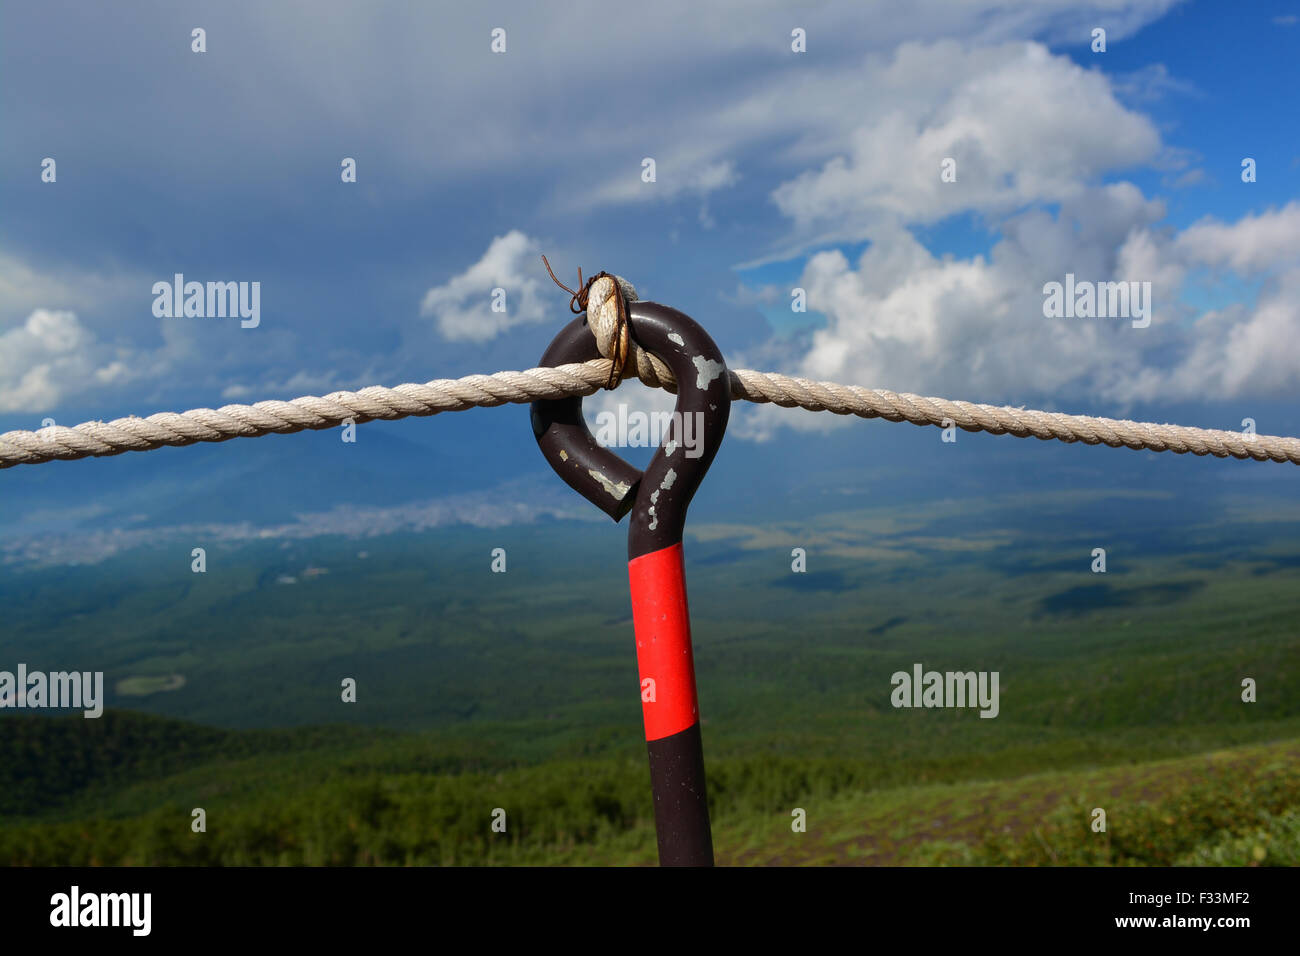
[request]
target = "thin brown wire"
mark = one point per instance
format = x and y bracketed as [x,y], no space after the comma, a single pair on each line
[622,330]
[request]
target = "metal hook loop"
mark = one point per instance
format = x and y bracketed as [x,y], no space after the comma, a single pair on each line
[658,497]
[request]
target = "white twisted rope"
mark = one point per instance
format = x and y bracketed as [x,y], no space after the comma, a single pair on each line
[95,439]
[251,421]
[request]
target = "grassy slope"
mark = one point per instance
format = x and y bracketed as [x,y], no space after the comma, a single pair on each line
[331,805]
[312,797]
[1233,807]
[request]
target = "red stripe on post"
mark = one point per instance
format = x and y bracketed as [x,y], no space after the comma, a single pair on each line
[663,642]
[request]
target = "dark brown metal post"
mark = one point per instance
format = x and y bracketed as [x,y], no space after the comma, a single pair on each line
[657,501]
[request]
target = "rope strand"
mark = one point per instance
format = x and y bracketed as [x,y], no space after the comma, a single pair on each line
[96,439]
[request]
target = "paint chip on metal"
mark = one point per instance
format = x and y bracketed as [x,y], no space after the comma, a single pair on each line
[616,489]
[708,370]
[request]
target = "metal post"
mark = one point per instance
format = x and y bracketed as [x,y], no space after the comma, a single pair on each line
[657,501]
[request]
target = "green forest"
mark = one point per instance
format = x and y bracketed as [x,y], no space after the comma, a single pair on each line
[480,693]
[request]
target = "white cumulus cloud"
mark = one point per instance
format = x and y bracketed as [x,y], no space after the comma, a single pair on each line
[52,356]
[1019,124]
[463,306]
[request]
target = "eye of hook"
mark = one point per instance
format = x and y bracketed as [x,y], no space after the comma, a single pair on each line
[658,497]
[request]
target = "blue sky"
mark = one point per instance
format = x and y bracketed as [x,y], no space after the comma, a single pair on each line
[775,169]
